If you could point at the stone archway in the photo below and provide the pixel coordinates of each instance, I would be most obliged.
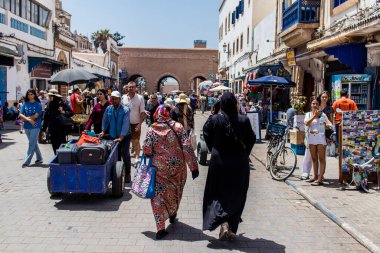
(195, 81)
(140, 81)
(166, 75)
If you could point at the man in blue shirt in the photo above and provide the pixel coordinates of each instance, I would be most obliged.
(116, 119)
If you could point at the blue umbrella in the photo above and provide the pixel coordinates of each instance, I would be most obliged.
(270, 81)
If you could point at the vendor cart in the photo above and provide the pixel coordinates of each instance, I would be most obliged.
(90, 179)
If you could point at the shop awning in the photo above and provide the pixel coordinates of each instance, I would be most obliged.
(35, 61)
(275, 70)
(7, 56)
(352, 55)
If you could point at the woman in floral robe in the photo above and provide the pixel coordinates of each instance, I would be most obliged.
(168, 143)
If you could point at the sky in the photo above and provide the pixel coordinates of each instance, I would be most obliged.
(149, 23)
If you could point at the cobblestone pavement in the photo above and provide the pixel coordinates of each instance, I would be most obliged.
(354, 207)
(276, 218)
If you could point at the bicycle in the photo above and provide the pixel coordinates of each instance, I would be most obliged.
(282, 160)
(360, 172)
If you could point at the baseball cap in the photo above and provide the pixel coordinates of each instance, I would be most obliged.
(115, 94)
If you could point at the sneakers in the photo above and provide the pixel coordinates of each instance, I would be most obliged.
(305, 176)
(24, 165)
(39, 161)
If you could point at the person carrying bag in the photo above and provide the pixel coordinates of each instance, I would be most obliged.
(144, 179)
(170, 151)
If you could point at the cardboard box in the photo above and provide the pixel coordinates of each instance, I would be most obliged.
(297, 137)
(299, 122)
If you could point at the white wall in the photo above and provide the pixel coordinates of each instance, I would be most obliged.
(18, 75)
(240, 27)
(332, 19)
(265, 30)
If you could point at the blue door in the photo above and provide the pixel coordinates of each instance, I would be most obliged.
(3, 84)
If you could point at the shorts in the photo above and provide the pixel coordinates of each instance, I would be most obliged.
(135, 135)
(316, 139)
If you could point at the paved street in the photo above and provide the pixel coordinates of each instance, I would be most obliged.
(276, 217)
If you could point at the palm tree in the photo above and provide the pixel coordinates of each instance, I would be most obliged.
(100, 39)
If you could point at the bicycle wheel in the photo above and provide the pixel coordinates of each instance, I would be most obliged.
(283, 164)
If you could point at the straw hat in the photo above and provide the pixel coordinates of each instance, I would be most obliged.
(54, 92)
(182, 99)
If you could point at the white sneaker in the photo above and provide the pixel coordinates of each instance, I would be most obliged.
(305, 176)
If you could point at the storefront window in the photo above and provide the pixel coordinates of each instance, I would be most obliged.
(12, 6)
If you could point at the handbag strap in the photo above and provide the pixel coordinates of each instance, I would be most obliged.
(231, 130)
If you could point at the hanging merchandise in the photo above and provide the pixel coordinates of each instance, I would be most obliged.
(360, 130)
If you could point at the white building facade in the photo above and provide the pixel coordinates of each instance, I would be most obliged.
(244, 38)
(235, 41)
(27, 51)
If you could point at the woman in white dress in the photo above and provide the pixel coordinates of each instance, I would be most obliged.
(316, 123)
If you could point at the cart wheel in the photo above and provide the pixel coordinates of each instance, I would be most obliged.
(118, 180)
(202, 153)
(48, 181)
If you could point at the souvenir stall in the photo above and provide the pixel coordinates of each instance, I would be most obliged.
(359, 132)
(272, 98)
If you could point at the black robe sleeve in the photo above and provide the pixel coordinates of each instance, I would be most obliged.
(208, 132)
(250, 139)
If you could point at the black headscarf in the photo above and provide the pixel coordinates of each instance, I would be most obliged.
(228, 104)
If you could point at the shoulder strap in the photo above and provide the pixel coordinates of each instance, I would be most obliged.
(231, 130)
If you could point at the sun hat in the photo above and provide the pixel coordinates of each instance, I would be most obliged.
(115, 94)
(182, 99)
(54, 92)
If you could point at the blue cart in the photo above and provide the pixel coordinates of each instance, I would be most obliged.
(90, 179)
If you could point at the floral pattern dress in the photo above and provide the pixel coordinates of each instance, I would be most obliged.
(170, 161)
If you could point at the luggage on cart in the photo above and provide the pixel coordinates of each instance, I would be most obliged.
(92, 153)
(67, 153)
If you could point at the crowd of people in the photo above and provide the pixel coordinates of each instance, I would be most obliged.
(227, 133)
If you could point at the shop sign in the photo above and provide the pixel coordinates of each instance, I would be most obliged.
(290, 56)
(42, 71)
(355, 78)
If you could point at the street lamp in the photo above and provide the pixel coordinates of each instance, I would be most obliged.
(225, 49)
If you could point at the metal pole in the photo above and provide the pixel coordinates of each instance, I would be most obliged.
(271, 103)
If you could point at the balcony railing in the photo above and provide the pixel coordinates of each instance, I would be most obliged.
(301, 12)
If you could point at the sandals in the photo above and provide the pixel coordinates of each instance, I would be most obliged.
(317, 183)
(311, 180)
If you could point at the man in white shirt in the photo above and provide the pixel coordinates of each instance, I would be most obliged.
(136, 104)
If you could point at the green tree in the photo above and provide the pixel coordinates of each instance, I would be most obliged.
(118, 37)
(100, 38)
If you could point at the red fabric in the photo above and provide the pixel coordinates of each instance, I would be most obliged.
(97, 113)
(85, 138)
(73, 101)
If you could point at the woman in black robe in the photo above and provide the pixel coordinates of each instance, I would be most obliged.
(230, 138)
(55, 110)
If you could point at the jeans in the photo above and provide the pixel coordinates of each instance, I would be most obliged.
(32, 135)
(124, 153)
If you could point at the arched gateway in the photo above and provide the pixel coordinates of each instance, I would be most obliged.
(187, 67)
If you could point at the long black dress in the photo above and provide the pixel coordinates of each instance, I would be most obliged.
(57, 131)
(230, 139)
